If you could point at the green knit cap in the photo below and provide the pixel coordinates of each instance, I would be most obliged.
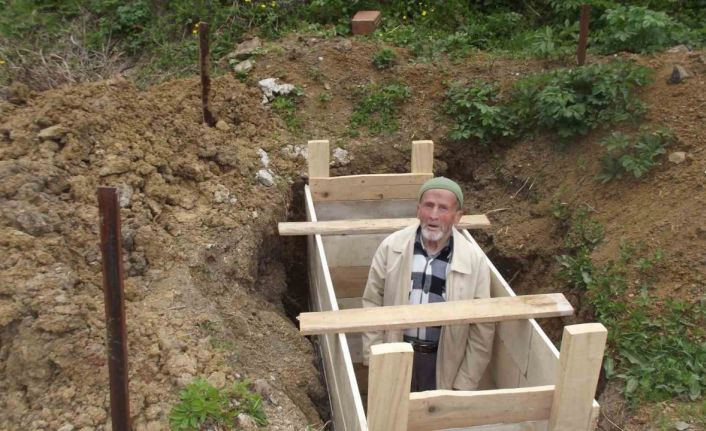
(445, 184)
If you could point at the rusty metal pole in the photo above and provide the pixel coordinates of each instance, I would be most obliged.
(583, 34)
(113, 291)
(208, 117)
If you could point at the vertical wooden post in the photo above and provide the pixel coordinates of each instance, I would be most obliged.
(318, 159)
(208, 117)
(389, 382)
(580, 362)
(422, 157)
(583, 34)
(114, 297)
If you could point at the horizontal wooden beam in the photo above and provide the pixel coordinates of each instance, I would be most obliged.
(368, 226)
(367, 187)
(437, 314)
(442, 409)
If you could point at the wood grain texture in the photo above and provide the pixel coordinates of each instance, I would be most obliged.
(389, 382)
(367, 187)
(437, 314)
(318, 158)
(422, 157)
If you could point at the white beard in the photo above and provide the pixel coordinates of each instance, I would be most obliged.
(432, 235)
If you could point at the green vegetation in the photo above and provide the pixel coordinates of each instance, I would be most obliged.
(384, 58)
(377, 107)
(639, 29)
(286, 107)
(565, 102)
(202, 404)
(637, 158)
(655, 346)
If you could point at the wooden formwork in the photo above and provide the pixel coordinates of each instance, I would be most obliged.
(526, 385)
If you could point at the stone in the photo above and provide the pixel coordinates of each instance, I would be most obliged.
(53, 133)
(677, 157)
(340, 157)
(114, 165)
(217, 379)
(365, 22)
(265, 177)
(245, 422)
(679, 74)
(243, 67)
(345, 45)
(17, 93)
(262, 387)
(33, 222)
(125, 192)
(264, 158)
(221, 194)
(295, 151)
(222, 126)
(678, 48)
(67, 427)
(246, 48)
(271, 88)
(681, 426)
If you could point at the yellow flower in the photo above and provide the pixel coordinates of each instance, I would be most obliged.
(247, 1)
(424, 13)
(263, 6)
(2, 61)
(273, 3)
(404, 17)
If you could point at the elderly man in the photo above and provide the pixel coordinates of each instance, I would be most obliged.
(431, 261)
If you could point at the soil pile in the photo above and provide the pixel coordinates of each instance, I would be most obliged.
(204, 278)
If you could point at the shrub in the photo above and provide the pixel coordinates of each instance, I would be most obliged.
(377, 107)
(572, 102)
(476, 112)
(201, 403)
(637, 158)
(638, 29)
(384, 59)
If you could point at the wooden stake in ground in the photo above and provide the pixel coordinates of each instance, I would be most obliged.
(208, 117)
(114, 296)
(583, 35)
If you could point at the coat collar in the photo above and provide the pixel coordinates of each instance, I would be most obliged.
(461, 260)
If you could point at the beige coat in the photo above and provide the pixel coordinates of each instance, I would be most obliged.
(464, 350)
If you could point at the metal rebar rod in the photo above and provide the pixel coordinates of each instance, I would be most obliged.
(583, 34)
(113, 290)
(208, 117)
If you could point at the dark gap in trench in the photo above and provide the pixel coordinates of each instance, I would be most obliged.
(295, 298)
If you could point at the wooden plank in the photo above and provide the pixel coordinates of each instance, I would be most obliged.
(340, 210)
(349, 281)
(369, 226)
(346, 404)
(441, 409)
(318, 159)
(367, 187)
(445, 313)
(389, 382)
(422, 157)
(581, 357)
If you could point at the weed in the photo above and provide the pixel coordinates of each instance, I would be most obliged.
(384, 58)
(286, 107)
(201, 403)
(377, 107)
(637, 158)
(638, 29)
(477, 113)
(324, 98)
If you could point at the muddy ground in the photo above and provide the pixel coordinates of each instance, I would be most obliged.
(210, 286)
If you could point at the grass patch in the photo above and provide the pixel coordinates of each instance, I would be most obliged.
(384, 58)
(286, 108)
(377, 107)
(203, 406)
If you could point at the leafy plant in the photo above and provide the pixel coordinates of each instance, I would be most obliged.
(477, 113)
(638, 29)
(384, 59)
(637, 158)
(286, 107)
(201, 403)
(377, 107)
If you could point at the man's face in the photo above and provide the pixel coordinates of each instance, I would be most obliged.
(437, 212)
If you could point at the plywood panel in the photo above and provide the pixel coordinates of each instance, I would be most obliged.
(349, 281)
(442, 409)
(342, 210)
(358, 250)
(346, 404)
(367, 187)
(506, 373)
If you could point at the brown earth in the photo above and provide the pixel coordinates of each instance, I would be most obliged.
(207, 277)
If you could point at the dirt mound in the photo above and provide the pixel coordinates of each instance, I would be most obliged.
(198, 234)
